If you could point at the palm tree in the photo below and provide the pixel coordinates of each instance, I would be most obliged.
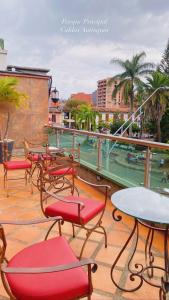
(10, 99)
(158, 103)
(87, 117)
(164, 64)
(130, 78)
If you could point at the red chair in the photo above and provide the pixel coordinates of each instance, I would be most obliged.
(60, 174)
(16, 165)
(34, 152)
(52, 160)
(78, 210)
(46, 270)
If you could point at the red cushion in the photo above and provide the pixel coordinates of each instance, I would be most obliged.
(64, 285)
(18, 164)
(36, 157)
(69, 211)
(47, 157)
(64, 171)
(33, 157)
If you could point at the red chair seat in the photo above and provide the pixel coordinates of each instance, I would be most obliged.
(35, 157)
(18, 164)
(64, 171)
(69, 211)
(66, 285)
(47, 157)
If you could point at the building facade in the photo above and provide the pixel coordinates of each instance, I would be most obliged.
(82, 97)
(104, 95)
(108, 107)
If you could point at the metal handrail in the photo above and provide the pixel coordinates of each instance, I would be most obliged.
(145, 143)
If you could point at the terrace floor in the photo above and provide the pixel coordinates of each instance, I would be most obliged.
(22, 205)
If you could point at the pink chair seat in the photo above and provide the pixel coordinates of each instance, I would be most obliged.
(66, 285)
(64, 171)
(35, 157)
(18, 164)
(69, 211)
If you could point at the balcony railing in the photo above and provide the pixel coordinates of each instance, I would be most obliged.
(132, 162)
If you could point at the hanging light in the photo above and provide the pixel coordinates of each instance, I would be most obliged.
(55, 95)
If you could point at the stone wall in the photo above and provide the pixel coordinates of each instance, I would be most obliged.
(29, 122)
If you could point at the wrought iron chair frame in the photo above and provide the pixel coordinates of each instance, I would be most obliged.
(14, 270)
(80, 205)
(27, 176)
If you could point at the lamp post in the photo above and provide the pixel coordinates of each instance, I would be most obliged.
(55, 95)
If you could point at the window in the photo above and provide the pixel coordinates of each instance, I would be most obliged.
(53, 118)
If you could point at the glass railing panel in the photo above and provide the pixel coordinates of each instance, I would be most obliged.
(124, 163)
(52, 138)
(66, 139)
(159, 173)
(88, 150)
(61, 139)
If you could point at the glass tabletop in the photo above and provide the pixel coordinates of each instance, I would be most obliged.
(42, 150)
(142, 203)
(37, 150)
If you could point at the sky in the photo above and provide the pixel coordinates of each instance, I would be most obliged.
(76, 39)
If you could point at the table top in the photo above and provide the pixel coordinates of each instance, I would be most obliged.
(42, 150)
(142, 203)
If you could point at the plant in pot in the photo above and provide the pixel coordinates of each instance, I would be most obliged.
(10, 99)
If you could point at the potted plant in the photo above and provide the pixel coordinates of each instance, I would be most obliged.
(10, 99)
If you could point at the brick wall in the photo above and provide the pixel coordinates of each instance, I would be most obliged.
(28, 122)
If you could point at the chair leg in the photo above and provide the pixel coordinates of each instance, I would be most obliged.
(73, 228)
(6, 182)
(26, 177)
(88, 234)
(5, 175)
(29, 175)
(105, 235)
(48, 232)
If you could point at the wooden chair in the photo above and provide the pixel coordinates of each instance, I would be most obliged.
(78, 210)
(46, 270)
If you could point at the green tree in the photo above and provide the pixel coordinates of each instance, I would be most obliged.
(130, 78)
(165, 127)
(86, 117)
(73, 105)
(10, 98)
(117, 124)
(158, 103)
(164, 64)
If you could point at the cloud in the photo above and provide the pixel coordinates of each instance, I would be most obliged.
(76, 39)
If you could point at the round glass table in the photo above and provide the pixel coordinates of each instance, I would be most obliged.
(151, 210)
